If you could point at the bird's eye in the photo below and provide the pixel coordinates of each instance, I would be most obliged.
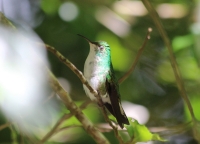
(101, 47)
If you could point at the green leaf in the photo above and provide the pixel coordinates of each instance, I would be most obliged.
(140, 133)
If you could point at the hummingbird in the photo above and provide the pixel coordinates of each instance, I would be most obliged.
(98, 71)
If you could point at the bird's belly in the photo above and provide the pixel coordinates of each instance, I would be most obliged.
(97, 83)
(96, 77)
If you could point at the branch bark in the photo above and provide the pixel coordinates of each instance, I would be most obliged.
(84, 81)
(60, 121)
(5, 126)
(87, 125)
(78, 73)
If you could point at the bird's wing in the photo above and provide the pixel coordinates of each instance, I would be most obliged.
(113, 92)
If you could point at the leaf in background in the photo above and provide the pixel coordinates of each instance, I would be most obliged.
(50, 7)
(165, 72)
(189, 67)
(194, 100)
(140, 133)
(181, 42)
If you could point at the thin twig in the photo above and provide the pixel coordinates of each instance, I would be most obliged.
(174, 65)
(84, 81)
(21, 134)
(172, 130)
(21, 137)
(30, 139)
(5, 126)
(60, 121)
(99, 127)
(113, 127)
(85, 104)
(80, 126)
(104, 127)
(26, 135)
(6, 22)
(13, 134)
(51, 132)
(79, 74)
(87, 124)
(67, 127)
(126, 75)
(50, 97)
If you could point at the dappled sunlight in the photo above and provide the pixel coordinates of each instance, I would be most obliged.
(135, 111)
(68, 11)
(133, 8)
(112, 21)
(22, 12)
(172, 10)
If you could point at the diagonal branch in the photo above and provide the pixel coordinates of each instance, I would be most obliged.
(87, 125)
(60, 121)
(75, 70)
(126, 75)
(5, 126)
(6, 22)
(111, 124)
(52, 131)
(84, 81)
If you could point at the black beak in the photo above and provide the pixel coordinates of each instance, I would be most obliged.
(95, 43)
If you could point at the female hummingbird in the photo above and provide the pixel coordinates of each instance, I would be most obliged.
(98, 71)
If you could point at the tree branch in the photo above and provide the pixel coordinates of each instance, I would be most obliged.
(5, 126)
(126, 75)
(87, 125)
(174, 65)
(6, 22)
(84, 81)
(113, 127)
(60, 121)
(67, 127)
(52, 131)
(75, 70)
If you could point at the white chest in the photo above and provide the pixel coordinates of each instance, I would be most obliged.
(96, 76)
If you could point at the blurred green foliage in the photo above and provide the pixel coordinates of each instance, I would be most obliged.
(50, 7)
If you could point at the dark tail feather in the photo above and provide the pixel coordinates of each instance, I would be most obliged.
(115, 107)
(109, 107)
(121, 118)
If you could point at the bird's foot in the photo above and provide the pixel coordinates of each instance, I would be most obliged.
(100, 104)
